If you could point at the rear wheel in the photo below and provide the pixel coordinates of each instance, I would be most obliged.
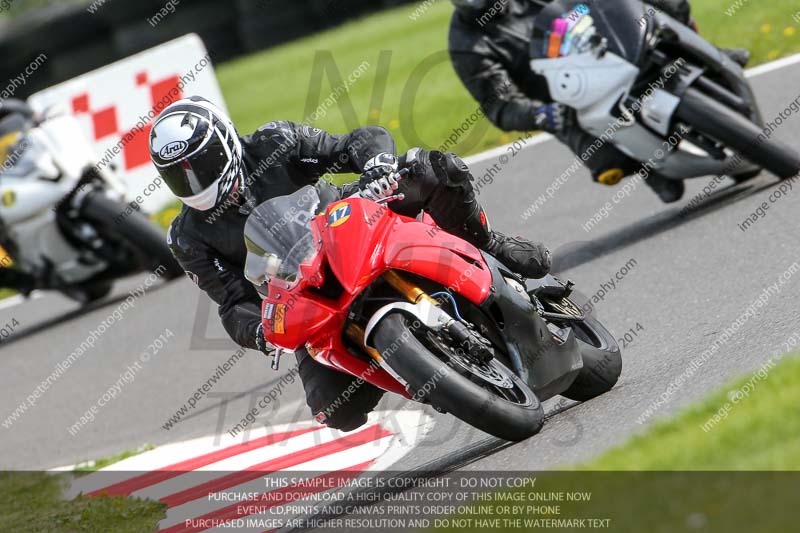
(487, 396)
(727, 126)
(602, 361)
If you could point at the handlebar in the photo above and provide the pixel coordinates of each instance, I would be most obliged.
(401, 174)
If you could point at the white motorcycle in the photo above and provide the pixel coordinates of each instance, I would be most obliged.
(63, 212)
(656, 90)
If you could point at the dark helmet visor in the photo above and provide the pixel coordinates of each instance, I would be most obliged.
(194, 175)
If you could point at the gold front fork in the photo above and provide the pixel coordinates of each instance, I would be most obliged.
(406, 288)
(413, 293)
(356, 334)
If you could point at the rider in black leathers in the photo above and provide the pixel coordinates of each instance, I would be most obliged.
(278, 159)
(489, 48)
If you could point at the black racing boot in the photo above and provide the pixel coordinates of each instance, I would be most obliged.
(668, 190)
(526, 258)
(740, 56)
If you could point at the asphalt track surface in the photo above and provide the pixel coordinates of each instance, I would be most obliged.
(693, 277)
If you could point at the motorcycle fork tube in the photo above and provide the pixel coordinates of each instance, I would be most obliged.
(356, 334)
(412, 293)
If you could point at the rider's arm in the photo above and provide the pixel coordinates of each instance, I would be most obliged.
(239, 304)
(312, 152)
(488, 81)
(318, 152)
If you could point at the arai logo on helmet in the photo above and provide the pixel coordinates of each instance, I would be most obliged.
(173, 150)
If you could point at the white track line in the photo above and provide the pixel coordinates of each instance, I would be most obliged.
(329, 463)
(772, 65)
(396, 433)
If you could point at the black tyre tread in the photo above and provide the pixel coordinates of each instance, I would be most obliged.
(138, 230)
(601, 366)
(737, 132)
(454, 393)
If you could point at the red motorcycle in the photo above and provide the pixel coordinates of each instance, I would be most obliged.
(416, 311)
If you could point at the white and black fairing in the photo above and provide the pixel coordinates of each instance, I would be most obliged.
(628, 86)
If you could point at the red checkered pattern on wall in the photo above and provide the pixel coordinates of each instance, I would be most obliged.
(105, 121)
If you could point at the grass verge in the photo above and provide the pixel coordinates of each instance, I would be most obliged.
(760, 431)
(33, 502)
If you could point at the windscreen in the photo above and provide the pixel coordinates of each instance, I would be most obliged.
(279, 238)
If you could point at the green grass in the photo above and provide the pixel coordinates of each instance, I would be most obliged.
(32, 502)
(274, 84)
(93, 466)
(767, 29)
(761, 432)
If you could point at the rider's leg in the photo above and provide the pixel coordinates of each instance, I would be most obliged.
(608, 165)
(19, 281)
(338, 400)
(441, 184)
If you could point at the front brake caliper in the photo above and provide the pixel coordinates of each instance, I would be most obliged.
(475, 347)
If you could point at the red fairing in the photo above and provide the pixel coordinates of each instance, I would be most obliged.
(434, 254)
(354, 236)
(291, 318)
(360, 240)
(332, 352)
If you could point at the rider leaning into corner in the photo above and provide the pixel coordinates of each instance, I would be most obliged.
(489, 41)
(221, 177)
(15, 115)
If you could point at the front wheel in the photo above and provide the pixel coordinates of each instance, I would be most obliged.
(725, 125)
(487, 396)
(135, 232)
